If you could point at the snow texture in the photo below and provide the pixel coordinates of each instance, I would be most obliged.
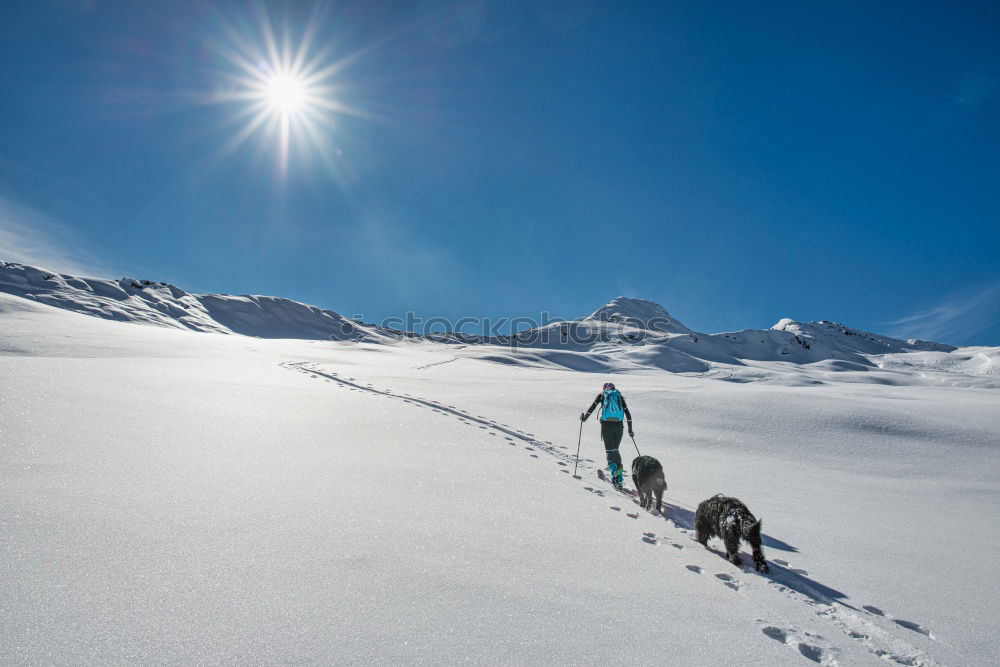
(173, 496)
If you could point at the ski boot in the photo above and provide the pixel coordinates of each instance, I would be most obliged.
(617, 475)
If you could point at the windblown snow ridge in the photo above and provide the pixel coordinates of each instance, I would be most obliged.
(163, 304)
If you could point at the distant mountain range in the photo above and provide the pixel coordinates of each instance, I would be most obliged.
(633, 332)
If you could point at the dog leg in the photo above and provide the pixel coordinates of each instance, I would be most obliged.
(732, 547)
(701, 530)
(759, 562)
(700, 526)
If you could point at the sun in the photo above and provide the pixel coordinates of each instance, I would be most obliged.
(284, 89)
(285, 93)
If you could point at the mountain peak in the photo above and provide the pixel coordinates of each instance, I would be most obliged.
(638, 313)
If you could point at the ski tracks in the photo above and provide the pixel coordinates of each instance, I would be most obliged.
(858, 625)
(511, 435)
(437, 363)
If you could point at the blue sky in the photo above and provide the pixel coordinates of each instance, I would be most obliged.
(736, 162)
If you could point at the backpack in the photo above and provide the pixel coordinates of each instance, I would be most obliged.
(611, 406)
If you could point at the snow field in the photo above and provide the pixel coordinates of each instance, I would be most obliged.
(185, 497)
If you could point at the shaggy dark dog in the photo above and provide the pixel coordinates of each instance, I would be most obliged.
(647, 475)
(730, 519)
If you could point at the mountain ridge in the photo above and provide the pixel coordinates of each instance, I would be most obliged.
(634, 332)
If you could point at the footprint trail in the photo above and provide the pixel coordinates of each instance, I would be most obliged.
(856, 624)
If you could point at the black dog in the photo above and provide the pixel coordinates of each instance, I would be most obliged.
(647, 475)
(730, 519)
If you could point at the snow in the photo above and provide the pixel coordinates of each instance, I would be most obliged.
(623, 334)
(159, 303)
(170, 495)
(638, 313)
(836, 334)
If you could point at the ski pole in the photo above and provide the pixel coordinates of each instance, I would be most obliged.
(578, 439)
(636, 446)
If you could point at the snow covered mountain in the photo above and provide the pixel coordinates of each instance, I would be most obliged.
(637, 313)
(839, 335)
(624, 334)
(643, 333)
(162, 304)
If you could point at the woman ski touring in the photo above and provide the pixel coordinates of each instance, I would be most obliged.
(613, 410)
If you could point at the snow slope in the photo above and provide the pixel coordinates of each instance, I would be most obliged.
(180, 497)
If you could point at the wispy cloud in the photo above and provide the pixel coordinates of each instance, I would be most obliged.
(29, 236)
(976, 88)
(973, 90)
(956, 319)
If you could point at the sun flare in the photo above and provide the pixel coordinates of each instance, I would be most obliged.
(285, 93)
(283, 88)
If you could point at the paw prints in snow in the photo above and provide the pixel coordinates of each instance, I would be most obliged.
(807, 648)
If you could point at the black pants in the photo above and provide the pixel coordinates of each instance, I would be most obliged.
(611, 434)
